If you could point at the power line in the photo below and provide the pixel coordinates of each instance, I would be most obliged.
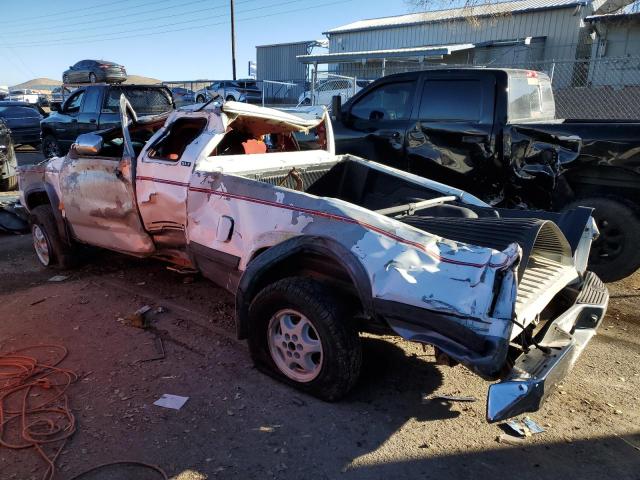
(132, 22)
(102, 37)
(76, 17)
(49, 15)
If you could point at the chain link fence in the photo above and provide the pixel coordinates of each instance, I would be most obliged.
(601, 88)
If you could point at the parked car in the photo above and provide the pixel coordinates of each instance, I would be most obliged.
(325, 91)
(317, 247)
(8, 160)
(59, 95)
(232, 91)
(23, 95)
(95, 107)
(92, 71)
(183, 96)
(493, 132)
(23, 119)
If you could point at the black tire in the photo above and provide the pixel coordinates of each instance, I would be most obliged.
(306, 101)
(615, 254)
(341, 349)
(50, 146)
(65, 78)
(200, 99)
(92, 77)
(230, 98)
(9, 183)
(60, 254)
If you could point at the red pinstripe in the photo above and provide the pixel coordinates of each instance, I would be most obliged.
(319, 213)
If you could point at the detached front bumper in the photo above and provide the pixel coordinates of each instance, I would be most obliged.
(537, 372)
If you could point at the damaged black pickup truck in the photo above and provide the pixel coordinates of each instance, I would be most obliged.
(493, 132)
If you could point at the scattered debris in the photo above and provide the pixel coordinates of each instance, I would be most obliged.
(140, 319)
(58, 278)
(168, 400)
(449, 398)
(38, 301)
(159, 348)
(298, 401)
(13, 218)
(509, 440)
(525, 428)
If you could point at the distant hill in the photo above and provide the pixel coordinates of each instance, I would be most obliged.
(38, 84)
(50, 83)
(140, 80)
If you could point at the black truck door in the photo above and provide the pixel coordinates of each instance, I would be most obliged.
(88, 117)
(373, 125)
(452, 140)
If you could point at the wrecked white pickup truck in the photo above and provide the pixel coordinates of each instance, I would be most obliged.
(318, 247)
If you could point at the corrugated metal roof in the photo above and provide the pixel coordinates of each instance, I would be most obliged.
(516, 6)
(430, 51)
(632, 9)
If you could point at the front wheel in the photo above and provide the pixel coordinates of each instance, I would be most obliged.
(50, 249)
(50, 147)
(615, 253)
(200, 99)
(299, 334)
(230, 98)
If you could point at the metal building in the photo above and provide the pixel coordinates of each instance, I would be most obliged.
(278, 61)
(512, 32)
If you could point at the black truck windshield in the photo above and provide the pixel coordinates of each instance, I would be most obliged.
(530, 97)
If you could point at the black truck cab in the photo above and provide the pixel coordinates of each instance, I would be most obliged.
(97, 107)
(493, 132)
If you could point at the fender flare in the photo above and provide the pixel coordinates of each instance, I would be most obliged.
(54, 201)
(248, 286)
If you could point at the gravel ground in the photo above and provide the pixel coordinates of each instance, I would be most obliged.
(241, 424)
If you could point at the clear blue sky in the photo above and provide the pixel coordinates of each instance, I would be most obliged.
(41, 38)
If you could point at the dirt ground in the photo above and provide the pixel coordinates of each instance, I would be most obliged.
(241, 424)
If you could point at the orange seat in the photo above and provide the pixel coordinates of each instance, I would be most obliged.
(254, 146)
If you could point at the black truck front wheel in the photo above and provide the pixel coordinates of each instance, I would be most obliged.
(615, 254)
(51, 147)
(299, 334)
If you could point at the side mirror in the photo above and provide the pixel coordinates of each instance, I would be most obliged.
(88, 144)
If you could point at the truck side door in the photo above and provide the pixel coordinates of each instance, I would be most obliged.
(452, 140)
(162, 181)
(374, 124)
(98, 194)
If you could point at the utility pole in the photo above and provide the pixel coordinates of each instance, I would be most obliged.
(233, 43)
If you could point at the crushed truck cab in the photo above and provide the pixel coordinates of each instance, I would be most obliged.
(317, 247)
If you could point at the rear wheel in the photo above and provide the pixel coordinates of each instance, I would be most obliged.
(299, 334)
(230, 98)
(50, 249)
(200, 99)
(92, 77)
(615, 254)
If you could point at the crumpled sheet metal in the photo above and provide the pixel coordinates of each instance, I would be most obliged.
(404, 264)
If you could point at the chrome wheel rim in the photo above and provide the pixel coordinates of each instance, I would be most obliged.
(295, 345)
(41, 245)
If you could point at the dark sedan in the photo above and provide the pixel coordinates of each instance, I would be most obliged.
(92, 71)
(23, 119)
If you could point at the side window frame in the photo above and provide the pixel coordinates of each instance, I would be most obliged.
(75, 94)
(412, 82)
(488, 108)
